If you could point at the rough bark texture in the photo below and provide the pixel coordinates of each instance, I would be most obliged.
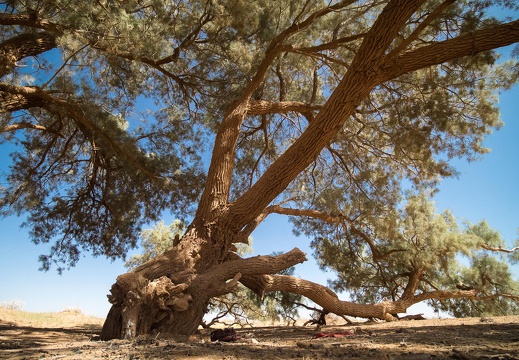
(22, 46)
(141, 305)
(329, 301)
(14, 50)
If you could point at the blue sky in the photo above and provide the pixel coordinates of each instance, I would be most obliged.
(484, 190)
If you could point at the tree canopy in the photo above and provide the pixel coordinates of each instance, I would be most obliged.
(226, 111)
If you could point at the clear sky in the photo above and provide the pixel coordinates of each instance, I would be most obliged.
(487, 189)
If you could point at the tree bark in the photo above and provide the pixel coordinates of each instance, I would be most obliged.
(370, 68)
(458, 47)
(324, 297)
(143, 302)
(22, 46)
(330, 302)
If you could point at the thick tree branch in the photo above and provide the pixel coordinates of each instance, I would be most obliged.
(32, 20)
(355, 87)
(460, 46)
(330, 302)
(324, 297)
(216, 191)
(412, 284)
(360, 79)
(22, 46)
(26, 44)
(264, 107)
(214, 279)
(10, 102)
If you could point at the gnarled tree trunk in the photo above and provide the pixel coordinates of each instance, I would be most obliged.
(167, 295)
(171, 293)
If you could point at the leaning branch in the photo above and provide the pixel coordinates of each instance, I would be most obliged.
(349, 94)
(322, 296)
(330, 302)
(353, 89)
(500, 249)
(218, 182)
(460, 46)
(215, 279)
(264, 107)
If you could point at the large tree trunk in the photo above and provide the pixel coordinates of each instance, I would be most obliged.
(171, 293)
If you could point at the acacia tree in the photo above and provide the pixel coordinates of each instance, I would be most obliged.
(315, 109)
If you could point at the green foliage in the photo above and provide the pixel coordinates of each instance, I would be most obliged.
(156, 241)
(489, 273)
(376, 261)
(135, 90)
(91, 194)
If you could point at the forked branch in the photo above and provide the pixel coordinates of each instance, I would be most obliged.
(216, 191)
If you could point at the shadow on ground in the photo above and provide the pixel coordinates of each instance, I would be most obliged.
(474, 338)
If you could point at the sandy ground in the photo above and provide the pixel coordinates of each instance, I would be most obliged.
(470, 338)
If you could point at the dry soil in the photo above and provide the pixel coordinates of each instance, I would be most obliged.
(468, 338)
